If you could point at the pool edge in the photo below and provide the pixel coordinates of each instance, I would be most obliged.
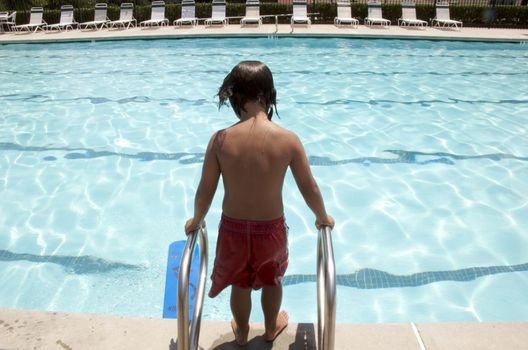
(29, 329)
(270, 31)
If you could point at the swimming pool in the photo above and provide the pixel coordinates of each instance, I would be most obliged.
(420, 149)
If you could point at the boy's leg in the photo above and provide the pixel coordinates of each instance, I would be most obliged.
(241, 309)
(275, 322)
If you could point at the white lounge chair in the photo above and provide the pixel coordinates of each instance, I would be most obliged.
(300, 13)
(252, 13)
(66, 20)
(375, 16)
(101, 19)
(344, 14)
(157, 16)
(35, 21)
(126, 17)
(3, 20)
(218, 14)
(7, 20)
(187, 14)
(443, 19)
(408, 17)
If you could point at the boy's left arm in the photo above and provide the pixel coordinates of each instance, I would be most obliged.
(206, 188)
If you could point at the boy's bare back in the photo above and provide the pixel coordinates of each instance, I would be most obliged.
(253, 156)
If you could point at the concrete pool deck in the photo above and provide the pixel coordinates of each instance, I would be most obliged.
(24, 329)
(267, 30)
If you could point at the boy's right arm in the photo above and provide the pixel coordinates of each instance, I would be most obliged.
(307, 185)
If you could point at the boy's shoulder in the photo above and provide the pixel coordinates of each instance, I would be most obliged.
(292, 136)
(282, 129)
(278, 133)
(284, 136)
(275, 127)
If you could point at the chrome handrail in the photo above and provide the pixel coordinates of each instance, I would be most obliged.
(326, 290)
(189, 340)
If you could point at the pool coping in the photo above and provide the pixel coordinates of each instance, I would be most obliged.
(28, 329)
(272, 31)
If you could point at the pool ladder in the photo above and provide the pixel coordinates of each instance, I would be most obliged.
(188, 339)
(326, 291)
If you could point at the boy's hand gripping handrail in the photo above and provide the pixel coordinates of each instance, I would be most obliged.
(326, 290)
(189, 340)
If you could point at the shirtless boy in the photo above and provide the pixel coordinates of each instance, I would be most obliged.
(252, 156)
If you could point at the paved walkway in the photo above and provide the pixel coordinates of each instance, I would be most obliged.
(22, 329)
(320, 30)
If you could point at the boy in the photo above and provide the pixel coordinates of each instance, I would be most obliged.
(253, 156)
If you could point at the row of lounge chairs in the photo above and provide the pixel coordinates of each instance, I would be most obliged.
(218, 17)
(375, 17)
(408, 18)
(126, 17)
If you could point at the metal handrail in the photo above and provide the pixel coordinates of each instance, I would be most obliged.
(189, 340)
(326, 290)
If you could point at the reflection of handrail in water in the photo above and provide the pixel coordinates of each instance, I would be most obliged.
(403, 157)
(188, 340)
(326, 290)
(374, 279)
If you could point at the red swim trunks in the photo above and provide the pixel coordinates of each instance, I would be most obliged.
(250, 254)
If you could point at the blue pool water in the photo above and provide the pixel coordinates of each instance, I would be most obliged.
(420, 149)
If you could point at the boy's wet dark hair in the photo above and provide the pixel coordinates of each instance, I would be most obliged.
(249, 81)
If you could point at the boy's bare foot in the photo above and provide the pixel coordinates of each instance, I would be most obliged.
(241, 337)
(282, 323)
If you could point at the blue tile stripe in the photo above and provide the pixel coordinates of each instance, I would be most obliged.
(401, 156)
(375, 279)
(84, 264)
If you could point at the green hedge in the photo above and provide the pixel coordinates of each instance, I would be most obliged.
(504, 16)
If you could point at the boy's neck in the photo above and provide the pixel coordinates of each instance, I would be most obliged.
(253, 110)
